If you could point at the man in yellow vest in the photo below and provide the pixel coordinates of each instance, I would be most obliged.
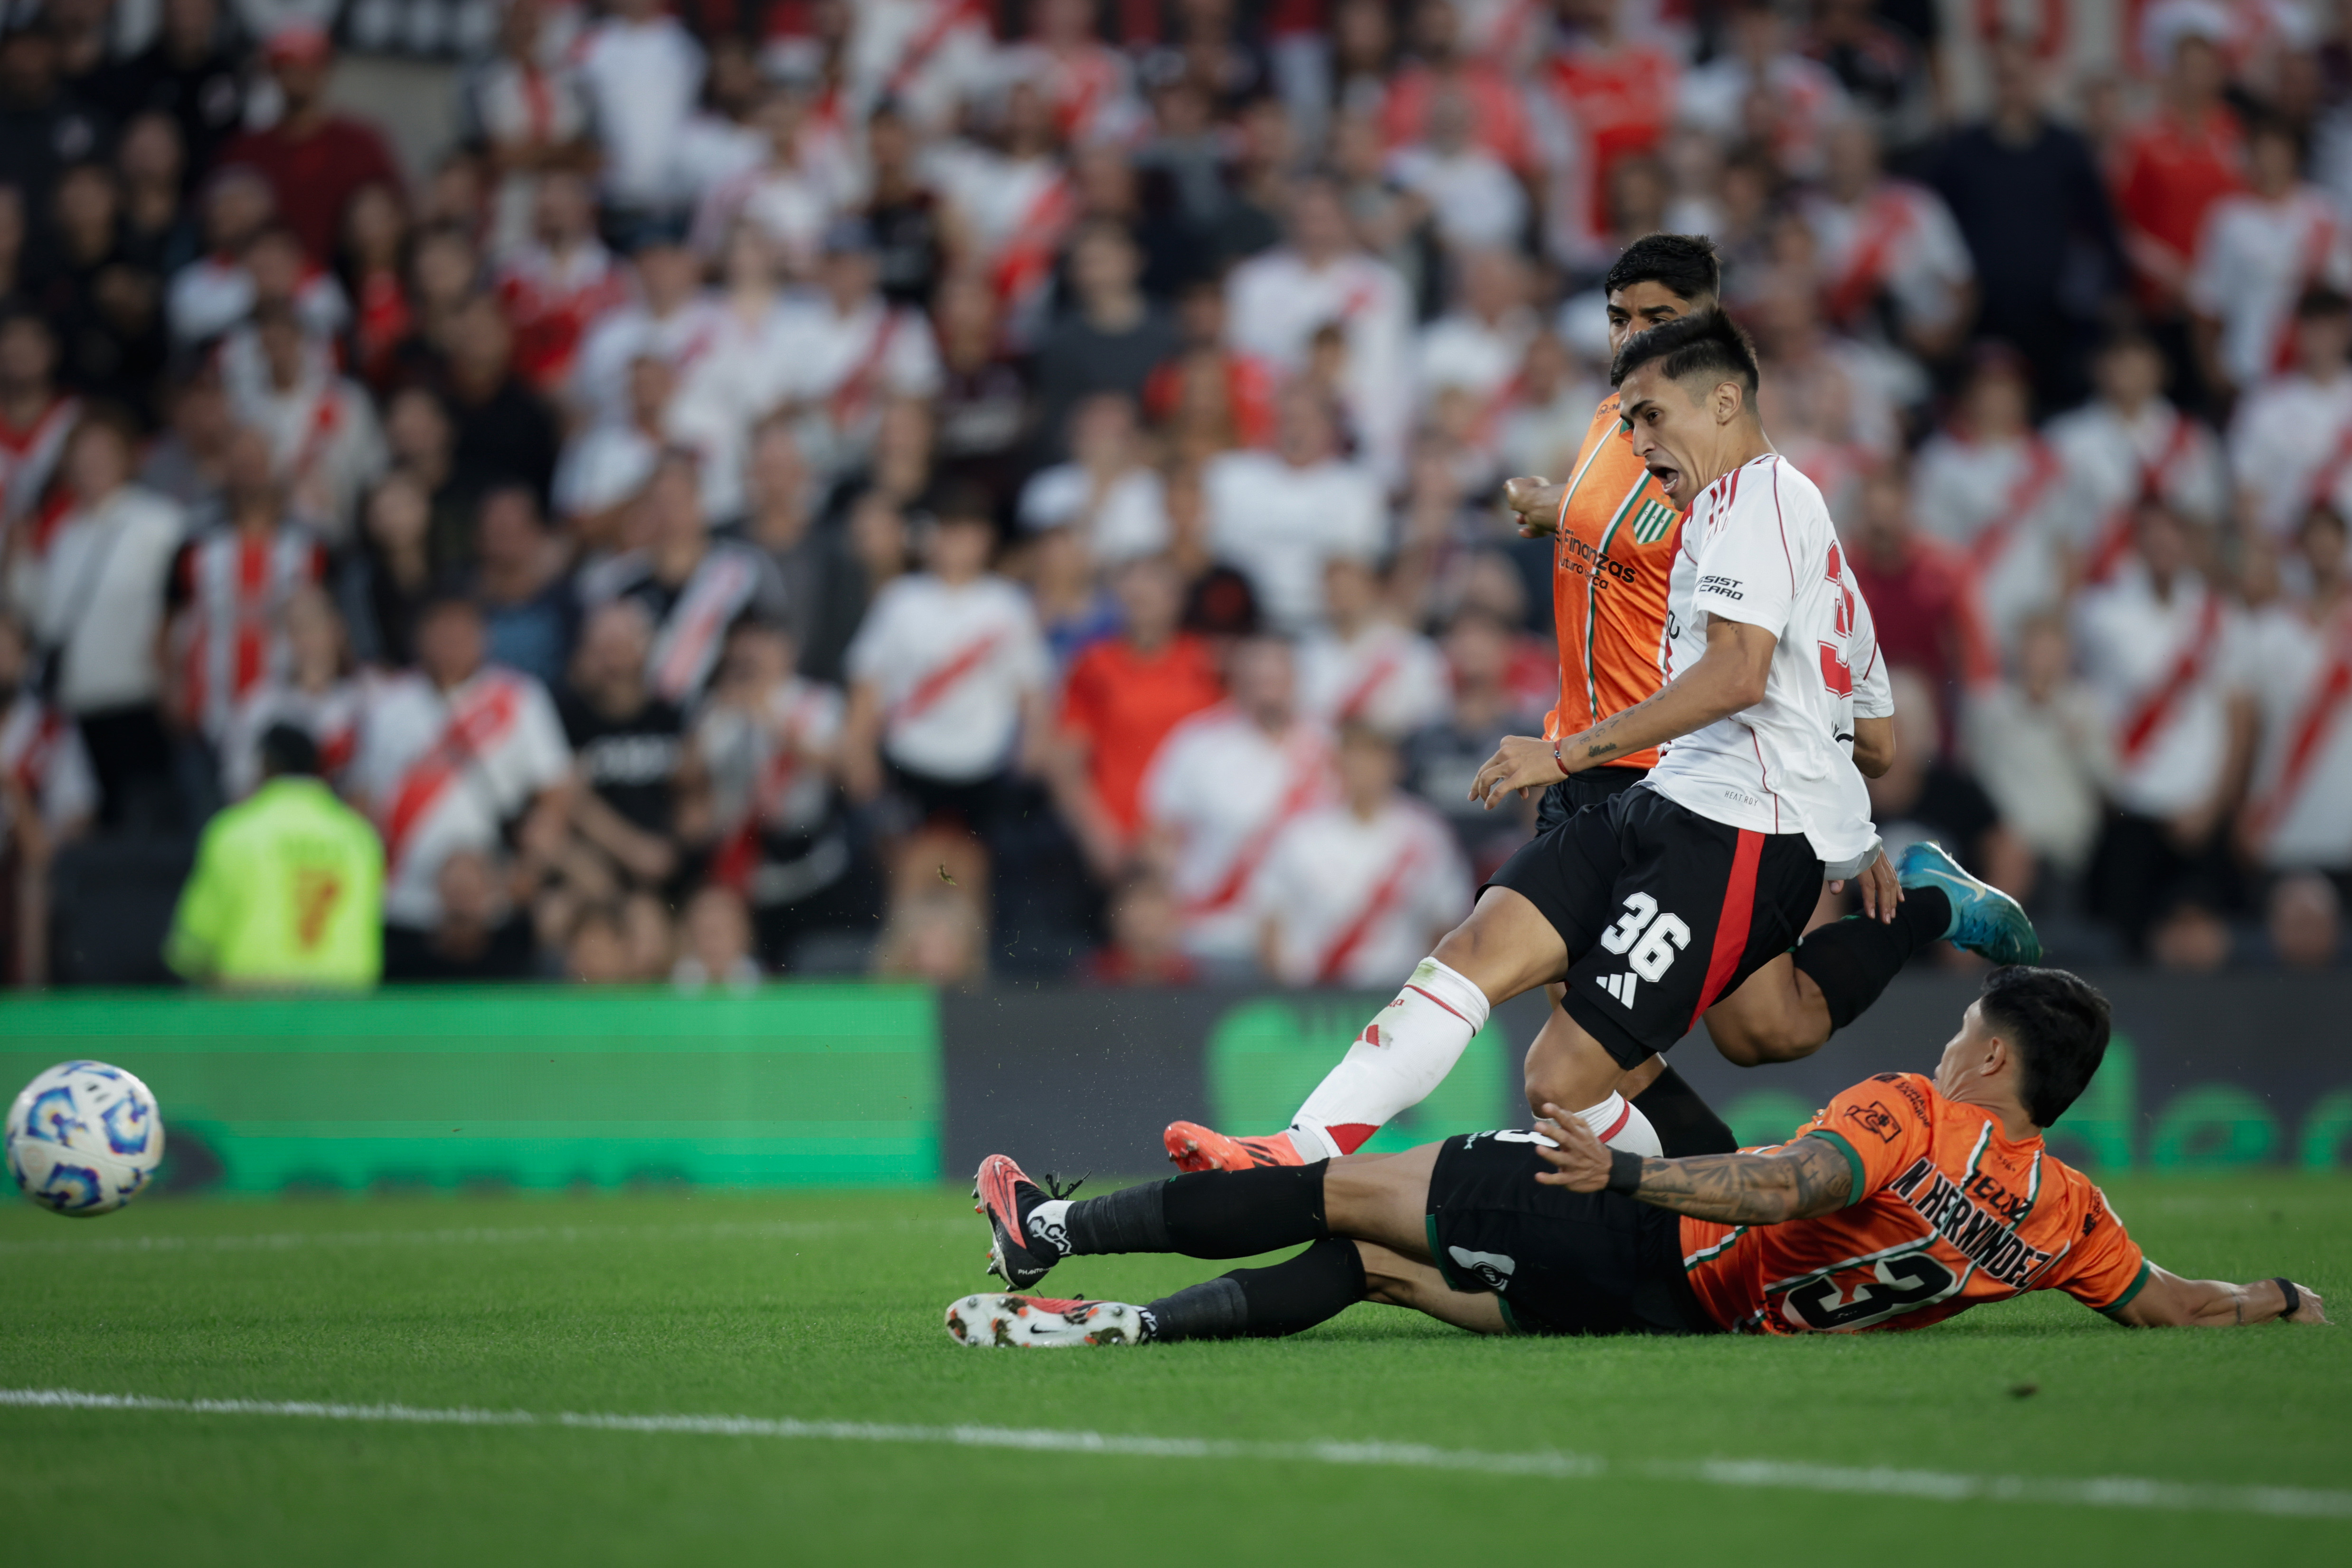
(287, 890)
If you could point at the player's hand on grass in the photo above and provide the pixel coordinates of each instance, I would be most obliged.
(1580, 1162)
(1520, 763)
(1536, 502)
(1880, 890)
(2310, 1309)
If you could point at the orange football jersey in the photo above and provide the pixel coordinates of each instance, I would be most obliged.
(1946, 1214)
(1612, 555)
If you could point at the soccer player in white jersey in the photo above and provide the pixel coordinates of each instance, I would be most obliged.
(1652, 906)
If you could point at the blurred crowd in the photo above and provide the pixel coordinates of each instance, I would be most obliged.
(952, 487)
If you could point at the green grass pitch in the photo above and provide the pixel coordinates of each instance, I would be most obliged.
(827, 1308)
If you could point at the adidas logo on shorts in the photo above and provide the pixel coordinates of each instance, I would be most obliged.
(1621, 986)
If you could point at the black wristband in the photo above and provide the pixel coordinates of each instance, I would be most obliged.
(2294, 1297)
(1625, 1171)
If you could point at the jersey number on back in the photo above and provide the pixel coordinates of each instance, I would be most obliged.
(1837, 673)
(315, 892)
(1885, 1289)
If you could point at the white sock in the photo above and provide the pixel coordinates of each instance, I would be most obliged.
(1404, 1053)
(1619, 1123)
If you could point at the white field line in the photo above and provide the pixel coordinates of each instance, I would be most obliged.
(511, 1235)
(2107, 1491)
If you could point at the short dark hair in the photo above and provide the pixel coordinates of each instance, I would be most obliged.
(1704, 343)
(289, 752)
(1685, 265)
(2057, 1022)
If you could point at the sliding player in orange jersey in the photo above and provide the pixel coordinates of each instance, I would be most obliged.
(1906, 1200)
(1616, 536)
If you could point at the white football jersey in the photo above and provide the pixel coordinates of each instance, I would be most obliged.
(1356, 902)
(1759, 548)
(951, 666)
(1223, 790)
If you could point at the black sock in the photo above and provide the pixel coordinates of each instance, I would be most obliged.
(1851, 960)
(1685, 1123)
(1211, 1214)
(1263, 1303)
(1130, 1220)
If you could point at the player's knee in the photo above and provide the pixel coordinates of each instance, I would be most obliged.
(1747, 1041)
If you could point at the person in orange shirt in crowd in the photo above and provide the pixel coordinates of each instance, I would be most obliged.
(1121, 698)
(1906, 1200)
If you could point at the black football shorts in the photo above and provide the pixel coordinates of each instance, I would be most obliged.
(1593, 787)
(1664, 913)
(1560, 1262)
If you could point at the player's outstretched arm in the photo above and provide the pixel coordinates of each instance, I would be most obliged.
(1727, 679)
(2169, 1301)
(1802, 1179)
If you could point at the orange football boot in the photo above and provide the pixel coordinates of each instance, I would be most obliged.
(1193, 1147)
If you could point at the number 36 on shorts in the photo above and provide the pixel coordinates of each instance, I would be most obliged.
(1654, 938)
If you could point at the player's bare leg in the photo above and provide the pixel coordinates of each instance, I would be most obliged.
(1395, 1280)
(1778, 1014)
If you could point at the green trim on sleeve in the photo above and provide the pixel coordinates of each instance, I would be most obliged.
(1860, 1188)
(2138, 1279)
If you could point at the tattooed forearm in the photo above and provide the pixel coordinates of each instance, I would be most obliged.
(1807, 1177)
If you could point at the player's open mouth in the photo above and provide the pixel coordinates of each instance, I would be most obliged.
(1666, 477)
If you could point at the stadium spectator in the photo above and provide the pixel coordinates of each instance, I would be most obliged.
(36, 418)
(2027, 195)
(947, 676)
(1991, 488)
(769, 741)
(1146, 938)
(852, 356)
(2303, 920)
(1891, 258)
(627, 748)
(691, 586)
(639, 71)
(478, 936)
(2291, 438)
(451, 755)
(1220, 789)
(505, 433)
(314, 158)
(1108, 496)
(48, 796)
(1112, 338)
(2164, 654)
(288, 889)
(2258, 250)
(2299, 812)
(1922, 796)
(2125, 444)
(1919, 591)
(324, 446)
(1120, 699)
(95, 600)
(1280, 515)
(715, 939)
(558, 279)
(1360, 666)
(1442, 758)
(2172, 166)
(2039, 747)
(521, 579)
(228, 590)
(192, 72)
(1276, 303)
(317, 692)
(1352, 889)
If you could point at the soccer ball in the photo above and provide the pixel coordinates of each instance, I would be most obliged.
(84, 1138)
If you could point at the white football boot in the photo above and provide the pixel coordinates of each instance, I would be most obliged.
(1041, 1322)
